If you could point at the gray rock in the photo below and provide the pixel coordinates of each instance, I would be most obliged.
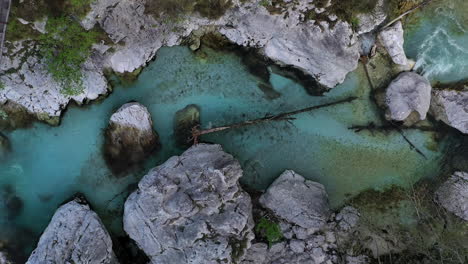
(451, 107)
(361, 259)
(408, 93)
(347, 218)
(297, 200)
(74, 235)
(4, 258)
(130, 137)
(453, 195)
(191, 209)
(392, 39)
(369, 21)
(257, 254)
(297, 246)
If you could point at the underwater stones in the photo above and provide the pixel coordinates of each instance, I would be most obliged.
(392, 39)
(453, 195)
(191, 209)
(4, 258)
(11, 201)
(184, 121)
(450, 106)
(408, 93)
(5, 146)
(297, 200)
(130, 137)
(74, 235)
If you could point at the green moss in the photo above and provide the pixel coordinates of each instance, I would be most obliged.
(65, 47)
(174, 9)
(268, 230)
(2, 85)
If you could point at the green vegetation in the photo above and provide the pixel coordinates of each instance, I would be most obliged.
(65, 47)
(264, 3)
(175, 8)
(268, 230)
(2, 85)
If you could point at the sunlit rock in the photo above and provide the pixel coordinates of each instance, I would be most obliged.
(191, 209)
(450, 106)
(368, 21)
(130, 137)
(74, 235)
(297, 200)
(408, 93)
(392, 39)
(453, 195)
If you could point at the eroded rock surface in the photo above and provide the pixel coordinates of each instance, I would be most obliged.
(451, 107)
(130, 137)
(392, 39)
(191, 209)
(74, 235)
(408, 93)
(297, 200)
(453, 195)
(369, 21)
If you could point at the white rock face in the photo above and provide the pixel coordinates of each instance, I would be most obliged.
(392, 39)
(453, 195)
(369, 21)
(28, 83)
(133, 115)
(325, 52)
(407, 93)
(4, 258)
(297, 200)
(74, 235)
(451, 107)
(191, 209)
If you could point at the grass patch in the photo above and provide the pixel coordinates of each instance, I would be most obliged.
(65, 47)
(268, 230)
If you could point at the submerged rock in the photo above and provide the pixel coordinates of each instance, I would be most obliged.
(453, 195)
(191, 209)
(74, 235)
(408, 93)
(184, 121)
(450, 106)
(297, 200)
(4, 258)
(392, 39)
(5, 146)
(130, 137)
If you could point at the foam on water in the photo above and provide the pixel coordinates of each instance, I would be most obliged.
(437, 39)
(49, 164)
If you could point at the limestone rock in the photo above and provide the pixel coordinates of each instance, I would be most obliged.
(453, 195)
(191, 209)
(392, 39)
(450, 106)
(369, 21)
(297, 200)
(184, 121)
(74, 235)
(130, 137)
(4, 258)
(409, 92)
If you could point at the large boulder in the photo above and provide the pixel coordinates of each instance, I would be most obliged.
(451, 107)
(408, 93)
(130, 137)
(453, 195)
(74, 235)
(191, 209)
(297, 200)
(392, 39)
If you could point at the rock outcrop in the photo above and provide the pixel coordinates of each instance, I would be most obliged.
(184, 121)
(130, 137)
(369, 21)
(453, 195)
(297, 200)
(408, 93)
(310, 233)
(450, 106)
(74, 235)
(191, 209)
(392, 39)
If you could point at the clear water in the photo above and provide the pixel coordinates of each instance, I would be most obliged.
(49, 164)
(437, 38)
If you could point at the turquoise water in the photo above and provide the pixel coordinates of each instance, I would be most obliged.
(437, 38)
(49, 164)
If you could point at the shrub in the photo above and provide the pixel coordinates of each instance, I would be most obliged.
(65, 47)
(269, 230)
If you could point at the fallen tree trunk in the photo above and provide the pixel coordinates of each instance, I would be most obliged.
(196, 132)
